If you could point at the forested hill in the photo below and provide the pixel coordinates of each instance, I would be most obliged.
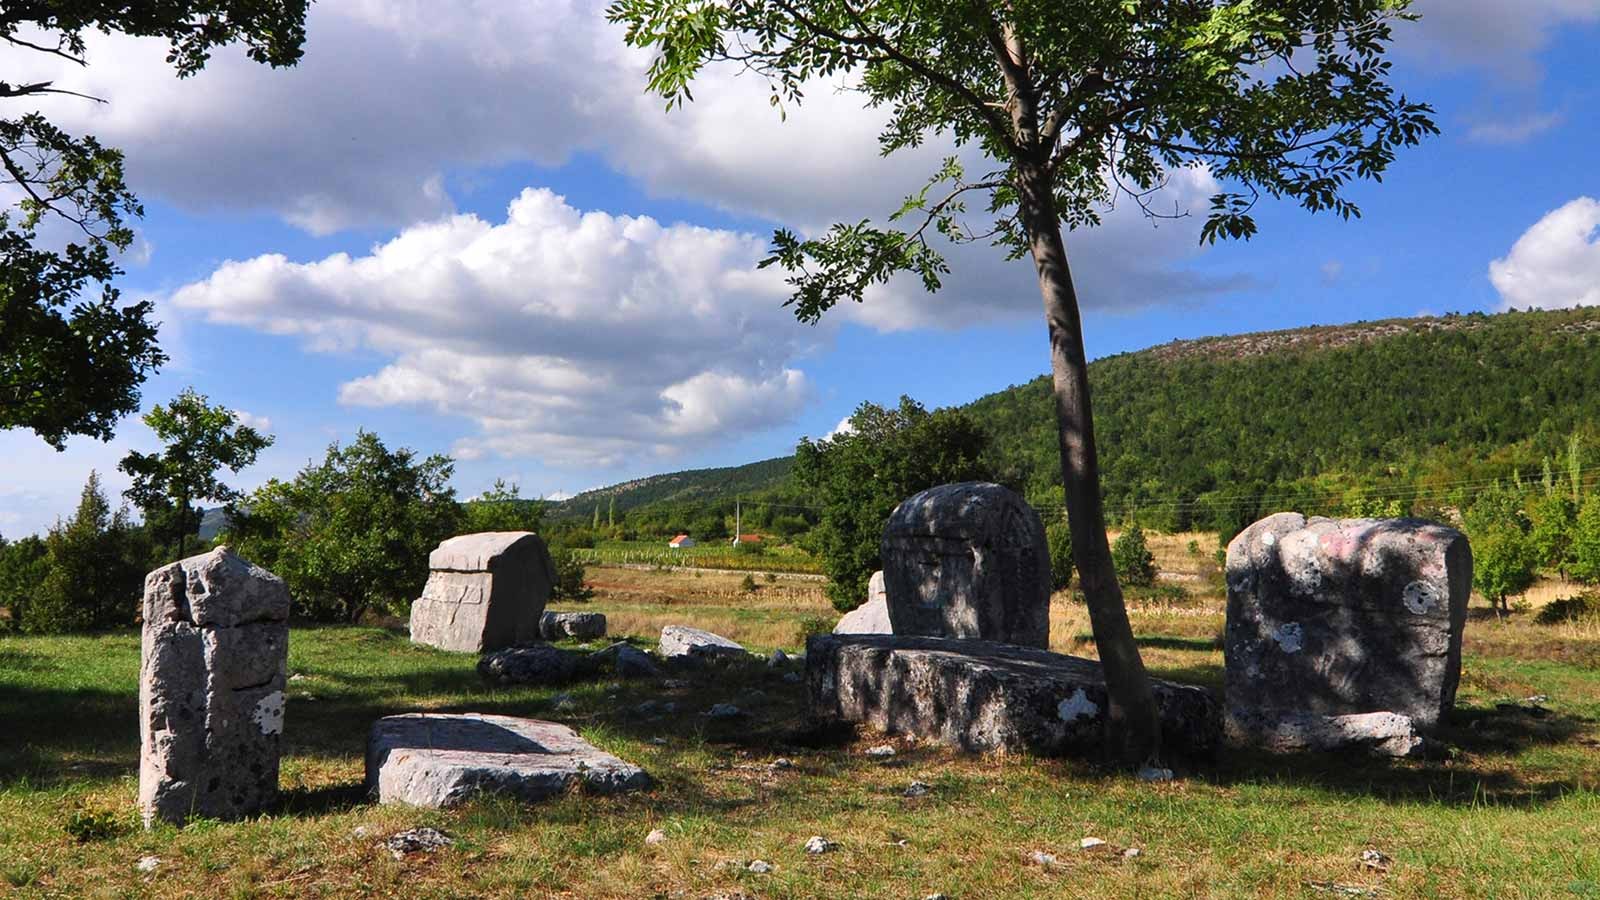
(694, 485)
(1211, 431)
(1401, 413)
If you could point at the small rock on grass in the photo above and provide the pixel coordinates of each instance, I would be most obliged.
(1375, 860)
(760, 866)
(782, 762)
(1089, 843)
(1132, 853)
(724, 711)
(416, 840)
(656, 836)
(1041, 858)
(918, 789)
(147, 863)
(818, 845)
(1154, 774)
(882, 751)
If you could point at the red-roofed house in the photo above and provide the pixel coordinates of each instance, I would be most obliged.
(681, 542)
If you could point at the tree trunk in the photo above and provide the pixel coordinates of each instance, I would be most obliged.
(1135, 725)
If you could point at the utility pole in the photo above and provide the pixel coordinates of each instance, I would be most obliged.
(737, 528)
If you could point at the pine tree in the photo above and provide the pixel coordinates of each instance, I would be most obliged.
(95, 565)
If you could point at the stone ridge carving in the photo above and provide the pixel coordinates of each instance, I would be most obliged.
(968, 560)
(485, 592)
(213, 661)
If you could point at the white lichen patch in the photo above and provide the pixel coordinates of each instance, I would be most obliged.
(1419, 597)
(268, 715)
(1269, 539)
(1076, 707)
(1290, 637)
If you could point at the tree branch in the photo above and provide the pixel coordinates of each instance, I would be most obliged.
(40, 87)
(53, 51)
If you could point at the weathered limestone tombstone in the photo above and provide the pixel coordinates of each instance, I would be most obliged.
(213, 664)
(680, 642)
(443, 760)
(984, 696)
(553, 626)
(871, 617)
(485, 592)
(968, 561)
(1332, 622)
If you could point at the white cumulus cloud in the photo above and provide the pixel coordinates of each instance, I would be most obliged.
(1556, 263)
(567, 336)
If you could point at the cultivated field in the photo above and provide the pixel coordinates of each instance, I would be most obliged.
(1516, 812)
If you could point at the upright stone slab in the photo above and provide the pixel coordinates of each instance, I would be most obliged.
(1334, 618)
(871, 617)
(968, 561)
(212, 667)
(485, 592)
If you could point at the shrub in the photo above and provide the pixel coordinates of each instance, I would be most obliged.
(1058, 536)
(811, 626)
(570, 572)
(1134, 562)
(1570, 609)
(748, 585)
(86, 825)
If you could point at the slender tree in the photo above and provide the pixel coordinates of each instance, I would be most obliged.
(200, 440)
(71, 363)
(1070, 104)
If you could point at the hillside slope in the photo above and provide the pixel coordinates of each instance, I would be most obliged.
(1209, 432)
(693, 485)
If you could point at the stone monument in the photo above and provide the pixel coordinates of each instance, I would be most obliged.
(1331, 621)
(968, 561)
(212, 668)
(485, 592)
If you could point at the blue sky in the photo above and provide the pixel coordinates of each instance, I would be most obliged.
(465, 228)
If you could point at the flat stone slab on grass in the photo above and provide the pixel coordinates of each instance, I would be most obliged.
(443, 760)
(986, 696)
(682, 642)
(533, 664)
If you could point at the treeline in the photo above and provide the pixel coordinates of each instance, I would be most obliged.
(350, 534)
(1519, 529)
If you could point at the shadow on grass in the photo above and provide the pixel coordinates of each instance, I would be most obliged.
(1468, 780)
(1162, 642)
(59, 735)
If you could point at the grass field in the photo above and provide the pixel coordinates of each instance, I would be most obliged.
(772, 557)
(1515, 813)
